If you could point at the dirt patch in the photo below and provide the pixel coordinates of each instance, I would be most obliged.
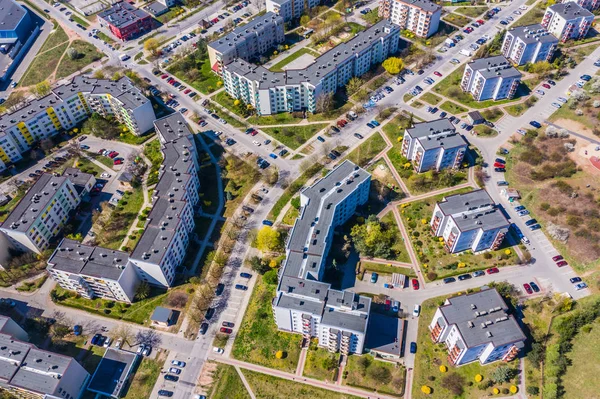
(575, 126)
(206, 375)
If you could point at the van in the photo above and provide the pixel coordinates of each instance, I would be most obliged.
(465, 52)
(124, 57)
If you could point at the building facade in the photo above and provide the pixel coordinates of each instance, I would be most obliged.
(434, 145)
(477, 326)
(247, 42)
(589, 5)
(296, 90)
(528, 44)
(492, 78)
(303, 303)
(422, 17)
(67, 106)
(470, 221)
(567, 21)
(290, 9)
(125, 21)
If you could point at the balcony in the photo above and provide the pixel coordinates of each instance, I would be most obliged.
(511, 354)
(436, 332)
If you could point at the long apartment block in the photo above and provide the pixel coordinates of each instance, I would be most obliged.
(68, 105)
(304, 304)
(290, 9)
(434, 145)
(422, 17)
(469, 221)
(298, 89)
(589, 5)
(528, 44)
(46, 207)
(492, 78)
(567, 21)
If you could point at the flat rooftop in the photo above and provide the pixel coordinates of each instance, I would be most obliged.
(473, 210)
(535, 33)
(385, 334)
(570, 10)
(10, 14)
(492, 67)
(123, 14)
(255, 27)
(111, 374)
(41, 371)
(424, 5)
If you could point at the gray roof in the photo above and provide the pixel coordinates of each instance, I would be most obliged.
(473, 210)
(254, 27)
(385, 334)
(497, 66)
(172, 127)
(12, 354)
(156, 8)
(11, 14)
(78, 178)
(475, 115)
(486, 306)
(533, 34)
(123, 14)
(435, 134)
(425, 5)
(302, 287)
(429, 128)
(570, 10)
(161, 315)
(356, 322)
(113, 371)
(325, 64)
(73, 257)
(39, 370)
(314, 307)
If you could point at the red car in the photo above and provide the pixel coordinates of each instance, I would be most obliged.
(101, 151)
(341, 123)
(388, 304)
(186, 91)
(164, 76)
(113, 154)
(493, 270)
(562, 263)
(253, 133)
(557, 258)
(480, 21)
(415, 284)
(436, 73)
(528, 288)
(226, 330)
(499, 165)
(117, 162)
(546, 86)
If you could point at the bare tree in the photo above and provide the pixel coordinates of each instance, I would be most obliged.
(259, 4)
(124, 333)
(148, 338)
(324, 102)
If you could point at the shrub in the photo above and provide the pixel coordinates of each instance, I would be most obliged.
(431, 378)
(432, 276)
(106, 311)
(279, 355)
(501, 374)
(544, 206)
(531, 390)
(454, 383)
(478, 378)
(514, 389)
(505, 391)
(426, 390)
(488, 255)
(443, 368)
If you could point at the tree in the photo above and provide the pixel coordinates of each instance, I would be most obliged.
(354, 85)
(105, 128)
(324, 103)
(151, 45)
(379, 374)
(542, 69)
(98, 74)
(393, 65)
(60, 330)
(268, 239)
(454, 383)
(373, 238)
(14, 100)
(41, 89)
(259, 265)
(72, 53)
(142, 291)
(177, 299)
(329, 363)
(304, 20)
(123, 332)
(270, 277)
(148, 338)
(501, 374)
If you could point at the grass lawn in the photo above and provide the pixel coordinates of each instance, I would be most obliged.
(430, 250)
(283, 118)
(129, 138)
(485, 131)
(113, 234)
(289, 192)
(431, 356)
(359, 368)
(57, 37)
(105, 38)
(290, 216)
(395, 128)
(88, 166)
(240, 178)
(279, 66)
(267, 386)
(220, 340)
(315, 359)
(492, 114)
(43, 65)
(258, 339)
(144, 378)
(6, 209)
(533, 16)
(294, 136)
(31, 286)
(364, 153)
(399, 246)
(452, 108)
(206, 82)
(227, 384)
(457, 19)
(580, 53)
(431, 98)
(106, 161)
(367, 268)
(227, 102)
(87, 54)
(471, 11)
(372, 17)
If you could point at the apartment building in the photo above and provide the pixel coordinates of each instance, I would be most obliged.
(296, 90)
(477, 326)
(434, 145)
(492, 78)
(290, 9)
(32, 373)
(422, 17)
(469, 221)
(125, 21)
(44, 210)
(567, 21)
(93, 272)
(67, 106)
(247, 42)
(589, 5)
(9, 327)
(528, 44)
(303, 303)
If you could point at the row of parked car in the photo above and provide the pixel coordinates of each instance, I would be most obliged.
(172, 374)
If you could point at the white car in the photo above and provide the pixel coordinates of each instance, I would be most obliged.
(220, 351)
(174, 370)
(256, 143)
(105, 175)
(107, 342)
(119, 343)
(140, 349)
(147, 350)
(417, 311)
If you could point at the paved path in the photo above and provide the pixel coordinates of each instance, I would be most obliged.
(386, 262)
(245, 382)
(302, 361)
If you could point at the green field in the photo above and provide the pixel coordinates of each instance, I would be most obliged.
(294, 136)
(431, 98)
(227, 384)
(144, 378)
(361, 369)
(457, 19)
(471, 11)
(452, 108)
(315, 360)
(364, 153)
(279, 66)
(43, 65)
(88, 53)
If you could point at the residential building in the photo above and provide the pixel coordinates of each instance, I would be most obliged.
(567, 21)
(304, 304)
(469, 221)
(125, 21)
(43, 211)
(9, 327)
(434, 145)
(162, 317)
(93, 272)
(477, 326)
(589, 5)
(32, 373)
(296, 90)
(247, 42)
(528, 44)
(290, 9)
(114, 373)
(422, 17)
(385, 337)
(68, 105)
(492, 78)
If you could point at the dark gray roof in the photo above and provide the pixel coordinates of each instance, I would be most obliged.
(156, 8)
(78, 178)
(306, 288)
(40, 370)
(314, 307)
(172, 127)
(10, 14)
(475, 115)
(497, 66)
(347, 321)
(533, 34)
(254, 27)
(385, 334)
(161, 315)
(113, 371)
(445, 141)
(570, 10)
(425, 5)
(473, 210)
(435, 134)
(123, 14)
(12, 353)
(429, 128)
(469, 311)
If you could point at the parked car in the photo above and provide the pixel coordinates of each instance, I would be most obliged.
(174, 370)
(530, 222)
(413, 347)
(203, 328)
(171, 377)
(225, 330)
(245, 275)
(493, 270)
(562, 263)
(535, 124)
(209, 313)
(416, 310)
(241, 287)
(534, 287)
(575, 280)
(228, 324)
(77, 329)
(464, 277)
(165, 393)
(373, 277)
(502, 183)
(415, 284)
(527, 288)
(580, 286)
(478, 273)
(449, 280)
(557, 258)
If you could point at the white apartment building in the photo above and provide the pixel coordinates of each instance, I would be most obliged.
(528, 44)
(470, 221)
(44, 210)
(290, 9)
(67, 106)
(304, 304)
(477, 326)
(589, 5)
(422, 17)
(93, 272)
(490, 78)
(567, 21)
(434, 145)
(296, 90)
(247, 42)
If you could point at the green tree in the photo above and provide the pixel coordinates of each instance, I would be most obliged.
(354, 85)
(304, 20)
(379, 374)
(72, 53)
(329, 363)
(270, 277)
(501, 374)
(259, 265)
(373, 238)
(142, 291)
(543, 69)
(98, 126)
(393, 65)
(151, 45)
(41, 89)
(268, 239)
